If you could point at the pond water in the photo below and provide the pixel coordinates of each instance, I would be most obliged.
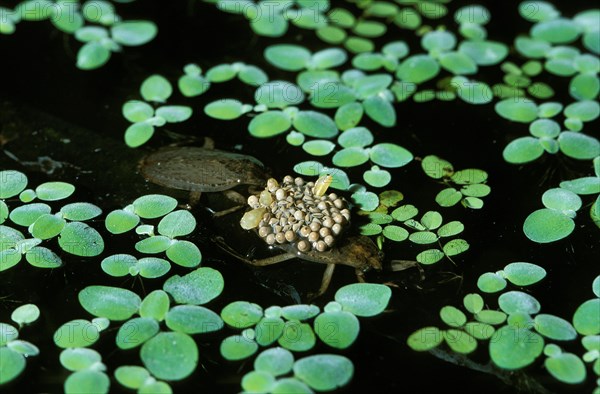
(66, 124)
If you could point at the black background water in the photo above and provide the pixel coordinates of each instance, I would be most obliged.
(44, 95)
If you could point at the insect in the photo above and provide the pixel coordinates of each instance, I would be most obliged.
(205, 170)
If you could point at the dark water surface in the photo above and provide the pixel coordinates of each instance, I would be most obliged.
(44, 100)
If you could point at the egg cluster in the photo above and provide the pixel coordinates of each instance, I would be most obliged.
(298, 212)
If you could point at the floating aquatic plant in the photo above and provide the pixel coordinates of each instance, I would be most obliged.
(95, 23)
(173, 225)
(74, 236)
(288, 326)
(14, 351)
(521, 341)
(465, 186)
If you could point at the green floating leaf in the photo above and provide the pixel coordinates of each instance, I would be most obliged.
(585, 111)
(76, 333)
(184, 253)
(438, 40)
(297, 336)
(136, 331)
(584, 86)
(268, 330)
(518, 302)
(425, 339)
(358, 44)
(455, 246)
(174, 113)
(318, 147)
(337, 329)
(491, 282)
(237, 347)
(518, 111)
(92, 55)
(242, 314)
(131, 376)
(25, 314)
(450, 229)
(294, 138)
(177, 223)
(138, 134)
(473, 302)
(26, 215)
(547, 225)
(273, 26)
(193, 85)
(459, 341)
(275, 361)
(348, 116)
(367, 229)
(152, 267)
(561, 200)
(367, 201)
(324, 372)
(252, 75)
(80, 211)
(198, 287)
(87, 381)
(586, 319)
(258, 382)
(491, 317)
(77, 359)
(156, 88)
(524, 274)
(544, 128)
(155, 305)
(430, 256)
(556, 31)
(484, 53)
(436, 167)
(523, 150)
(154, 205)
(278, 94)
(566, 367)
(41, 257)
(300, 312)
(120, 221)
(221, 73)
(52, 191)
(356, 137)
(11, 183)
(192, 319)
(472, 92)
(377, 177)
(110, 302)
(515, 348)
(479, 331)
(350, 157)
(578, 145)
(417, 69)
(269, 124)
(47, 226)
(554, 327)
(453, 316)
(133, 33)
(224, 109)
(364, 299)
(315, 124)
(390, 155)
(81, 240)
(9, 258)
(170, 355)
(380, 110)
